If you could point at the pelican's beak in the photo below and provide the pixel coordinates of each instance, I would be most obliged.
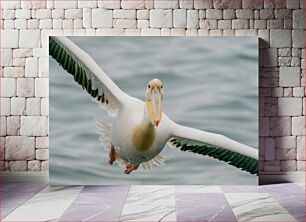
(154, 105)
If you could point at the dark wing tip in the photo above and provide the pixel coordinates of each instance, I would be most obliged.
(65, 59)
(235, 159)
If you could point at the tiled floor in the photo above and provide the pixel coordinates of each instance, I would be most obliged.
(39, 202)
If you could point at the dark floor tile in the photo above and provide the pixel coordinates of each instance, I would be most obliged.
(22, 187)
(289, 199)
(92, 198)
(203, 207)
(97, 203)
(14, 198)
(98, 212)
(13, 195)
(298, 212)
(6, 210)
(283, 188)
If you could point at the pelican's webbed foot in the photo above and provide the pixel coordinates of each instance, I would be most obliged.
(112, 155)
(130, 167)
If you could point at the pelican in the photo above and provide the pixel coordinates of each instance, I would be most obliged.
(141, 129)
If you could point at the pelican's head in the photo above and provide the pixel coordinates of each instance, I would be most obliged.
(154, 100)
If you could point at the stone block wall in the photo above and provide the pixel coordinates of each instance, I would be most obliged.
(26, 25)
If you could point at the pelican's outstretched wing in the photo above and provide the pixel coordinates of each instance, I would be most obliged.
(216, 146)
(87, 73)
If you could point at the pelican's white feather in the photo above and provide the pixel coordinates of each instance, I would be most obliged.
(157, 161)
(214, 139)
(103, 130)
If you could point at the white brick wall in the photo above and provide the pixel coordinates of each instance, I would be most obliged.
(20, 148)
(26, 26)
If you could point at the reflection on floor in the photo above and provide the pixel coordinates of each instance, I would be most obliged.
(39, 202)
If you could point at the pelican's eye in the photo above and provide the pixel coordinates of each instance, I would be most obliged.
(149, 86)
(161, 87)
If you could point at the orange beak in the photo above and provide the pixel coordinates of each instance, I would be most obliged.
(154, 106)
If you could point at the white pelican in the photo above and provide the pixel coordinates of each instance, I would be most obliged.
(141, 130)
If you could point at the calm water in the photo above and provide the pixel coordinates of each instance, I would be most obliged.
(210, 84)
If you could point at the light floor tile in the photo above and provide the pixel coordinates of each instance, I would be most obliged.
(257, 207)
(149, 203)
(301, 185)
(241, 189)
(198, 189)
(47, 205)
(107, 189)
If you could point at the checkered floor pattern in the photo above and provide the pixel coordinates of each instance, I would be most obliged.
(40, 202)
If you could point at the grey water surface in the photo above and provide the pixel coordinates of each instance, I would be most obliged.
(211, 83)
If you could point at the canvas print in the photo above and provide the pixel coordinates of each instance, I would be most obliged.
(153, 110)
